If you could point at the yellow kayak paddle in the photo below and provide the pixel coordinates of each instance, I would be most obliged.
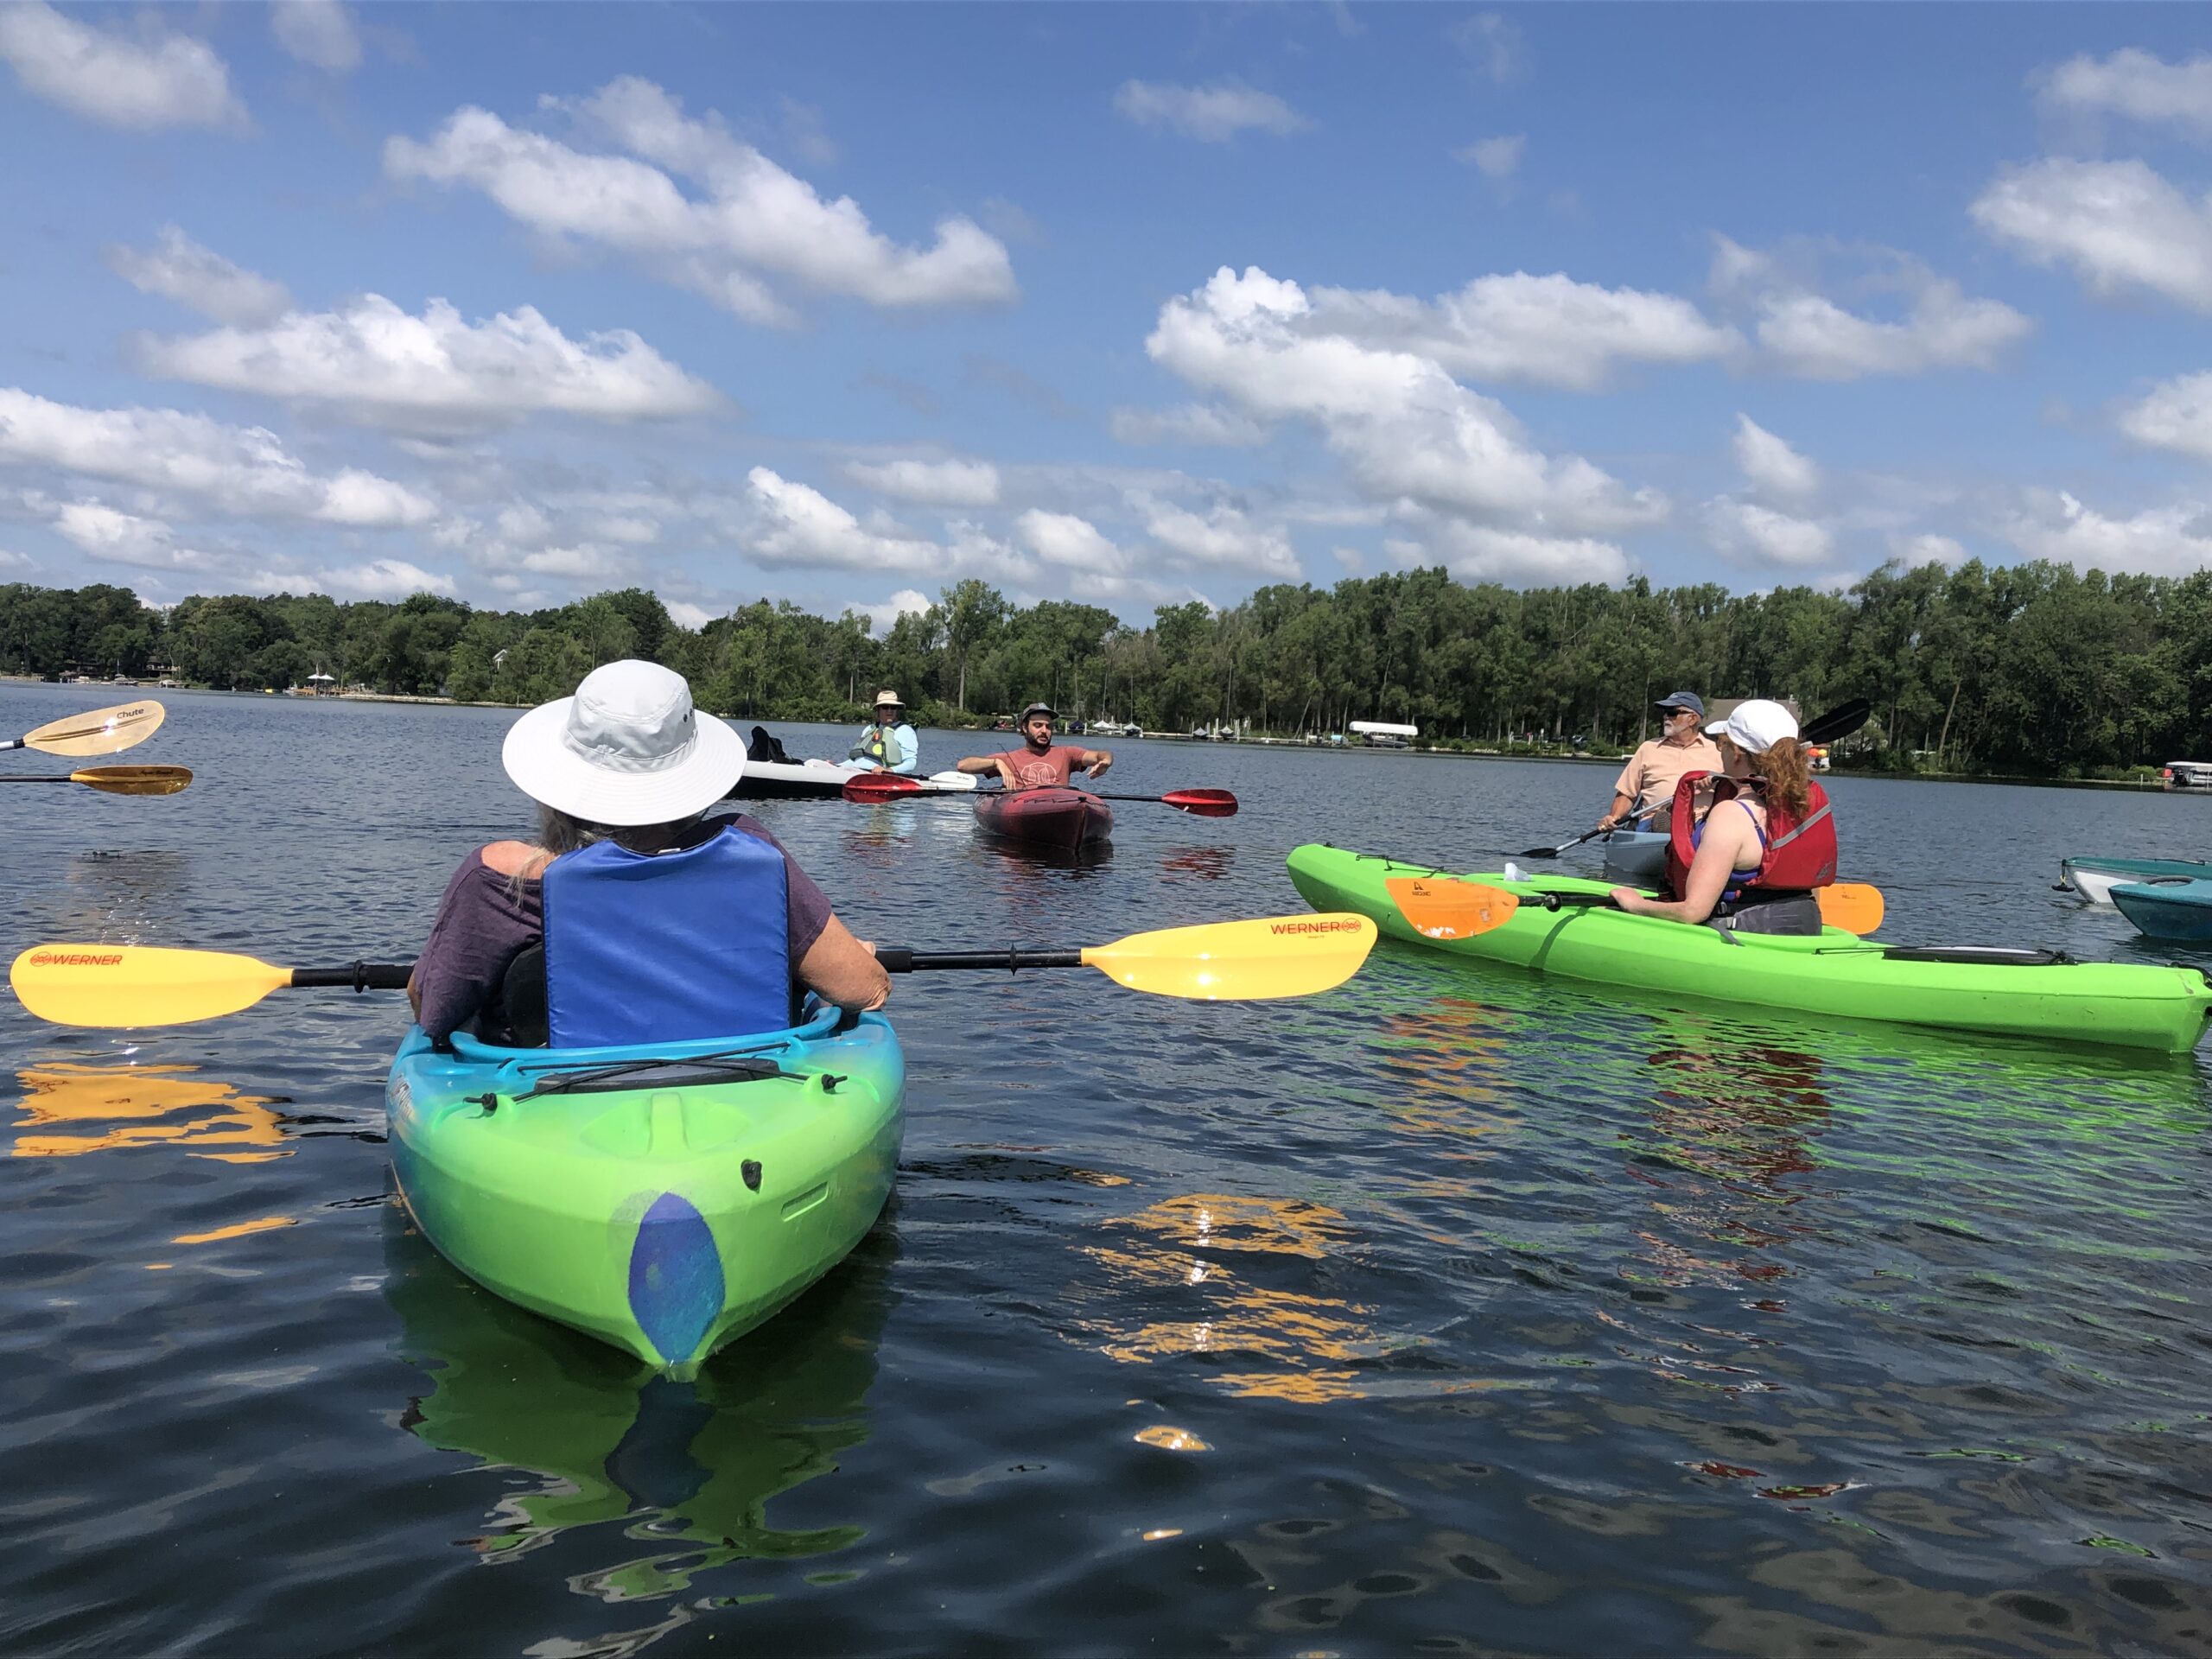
(115, 780)
(127, 985)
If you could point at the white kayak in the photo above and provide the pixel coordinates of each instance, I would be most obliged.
(773, 781)
(2095, 878)
(1636, 857)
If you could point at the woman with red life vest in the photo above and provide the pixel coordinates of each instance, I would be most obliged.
(633, 917)
(1750, 862)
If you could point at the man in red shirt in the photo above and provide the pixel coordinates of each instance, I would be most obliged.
(1041, 764)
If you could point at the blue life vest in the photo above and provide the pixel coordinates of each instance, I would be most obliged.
(666, 947)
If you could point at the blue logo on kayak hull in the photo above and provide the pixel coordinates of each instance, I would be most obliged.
(675, 1278)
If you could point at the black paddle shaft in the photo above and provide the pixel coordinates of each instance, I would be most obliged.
(899, 959)
(358, 975)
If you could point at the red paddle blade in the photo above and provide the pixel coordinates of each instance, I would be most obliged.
(1203, 802)
(880, 786)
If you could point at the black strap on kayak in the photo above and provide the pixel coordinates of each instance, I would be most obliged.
(1979, 955)
(657, 1072)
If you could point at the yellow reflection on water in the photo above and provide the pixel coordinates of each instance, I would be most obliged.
(237, 1229)
(1287, 1343)
(68, 1110)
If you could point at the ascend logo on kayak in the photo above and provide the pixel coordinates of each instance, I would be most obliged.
(1345, 924)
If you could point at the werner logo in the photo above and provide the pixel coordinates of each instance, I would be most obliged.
(76, 959)
(1346, 926)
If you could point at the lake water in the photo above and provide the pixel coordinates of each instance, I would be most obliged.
(1453, 1311)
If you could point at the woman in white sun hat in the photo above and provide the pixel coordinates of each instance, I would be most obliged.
(888, 743)
(656, 922)
(1750, 862)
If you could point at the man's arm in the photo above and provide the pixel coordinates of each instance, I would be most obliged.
(980, 765)
(839, 969)
(1098, 760)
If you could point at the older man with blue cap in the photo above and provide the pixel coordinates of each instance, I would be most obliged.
(1647, 782)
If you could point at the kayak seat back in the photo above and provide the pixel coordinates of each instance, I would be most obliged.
(666, 947)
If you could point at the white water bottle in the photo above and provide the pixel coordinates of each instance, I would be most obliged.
(1513, 871)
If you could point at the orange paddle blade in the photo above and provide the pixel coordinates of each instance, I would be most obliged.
(1855, 906)
(1449, 907)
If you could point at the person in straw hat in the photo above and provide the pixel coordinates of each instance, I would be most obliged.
(888, 743)
(634, 917)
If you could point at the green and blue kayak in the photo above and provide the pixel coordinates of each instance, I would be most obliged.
(1998, 991)
(666, 1198)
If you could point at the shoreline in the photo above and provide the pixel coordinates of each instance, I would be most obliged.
(2023, 780)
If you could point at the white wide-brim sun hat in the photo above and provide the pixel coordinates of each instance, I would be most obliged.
(627, 749)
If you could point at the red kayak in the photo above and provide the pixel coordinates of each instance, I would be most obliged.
(1046, 818)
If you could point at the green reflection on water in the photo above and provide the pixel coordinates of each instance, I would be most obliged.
(689, 1468)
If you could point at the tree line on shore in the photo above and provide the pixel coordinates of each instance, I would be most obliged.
(2032, 669)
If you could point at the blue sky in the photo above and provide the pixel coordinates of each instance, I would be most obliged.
(1128, 304)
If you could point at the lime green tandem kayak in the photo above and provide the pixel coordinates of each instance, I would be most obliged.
(664, 1199)
(2022, 993)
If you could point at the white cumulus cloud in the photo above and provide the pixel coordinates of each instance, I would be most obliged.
(1757, 535)
(124, 537)
(381, 579)
(798, 527)
(1802, 331)
(750, 221)
(907, 602)
(932, 483)
(245, 471)
(2176, 415)
(2171, 540)
(376, 363)
(2135, 83)
(1222, 538)
(157, 80)
(1771, 464)
(179, 269)
(1214, 114)
(1546, 330)
(319, 33)
(1403, 426)
(2118, 225)
(1065, 539)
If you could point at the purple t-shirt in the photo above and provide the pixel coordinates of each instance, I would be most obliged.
(487, 920)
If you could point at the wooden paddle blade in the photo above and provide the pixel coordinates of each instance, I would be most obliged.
(1239, 961)
(1447, 907)
(1855, 906)
(104, 731)
(1203, 802)
(880, 786)
(134, 780)
(120, 985)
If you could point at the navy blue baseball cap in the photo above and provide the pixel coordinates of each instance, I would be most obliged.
(1688, 700)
